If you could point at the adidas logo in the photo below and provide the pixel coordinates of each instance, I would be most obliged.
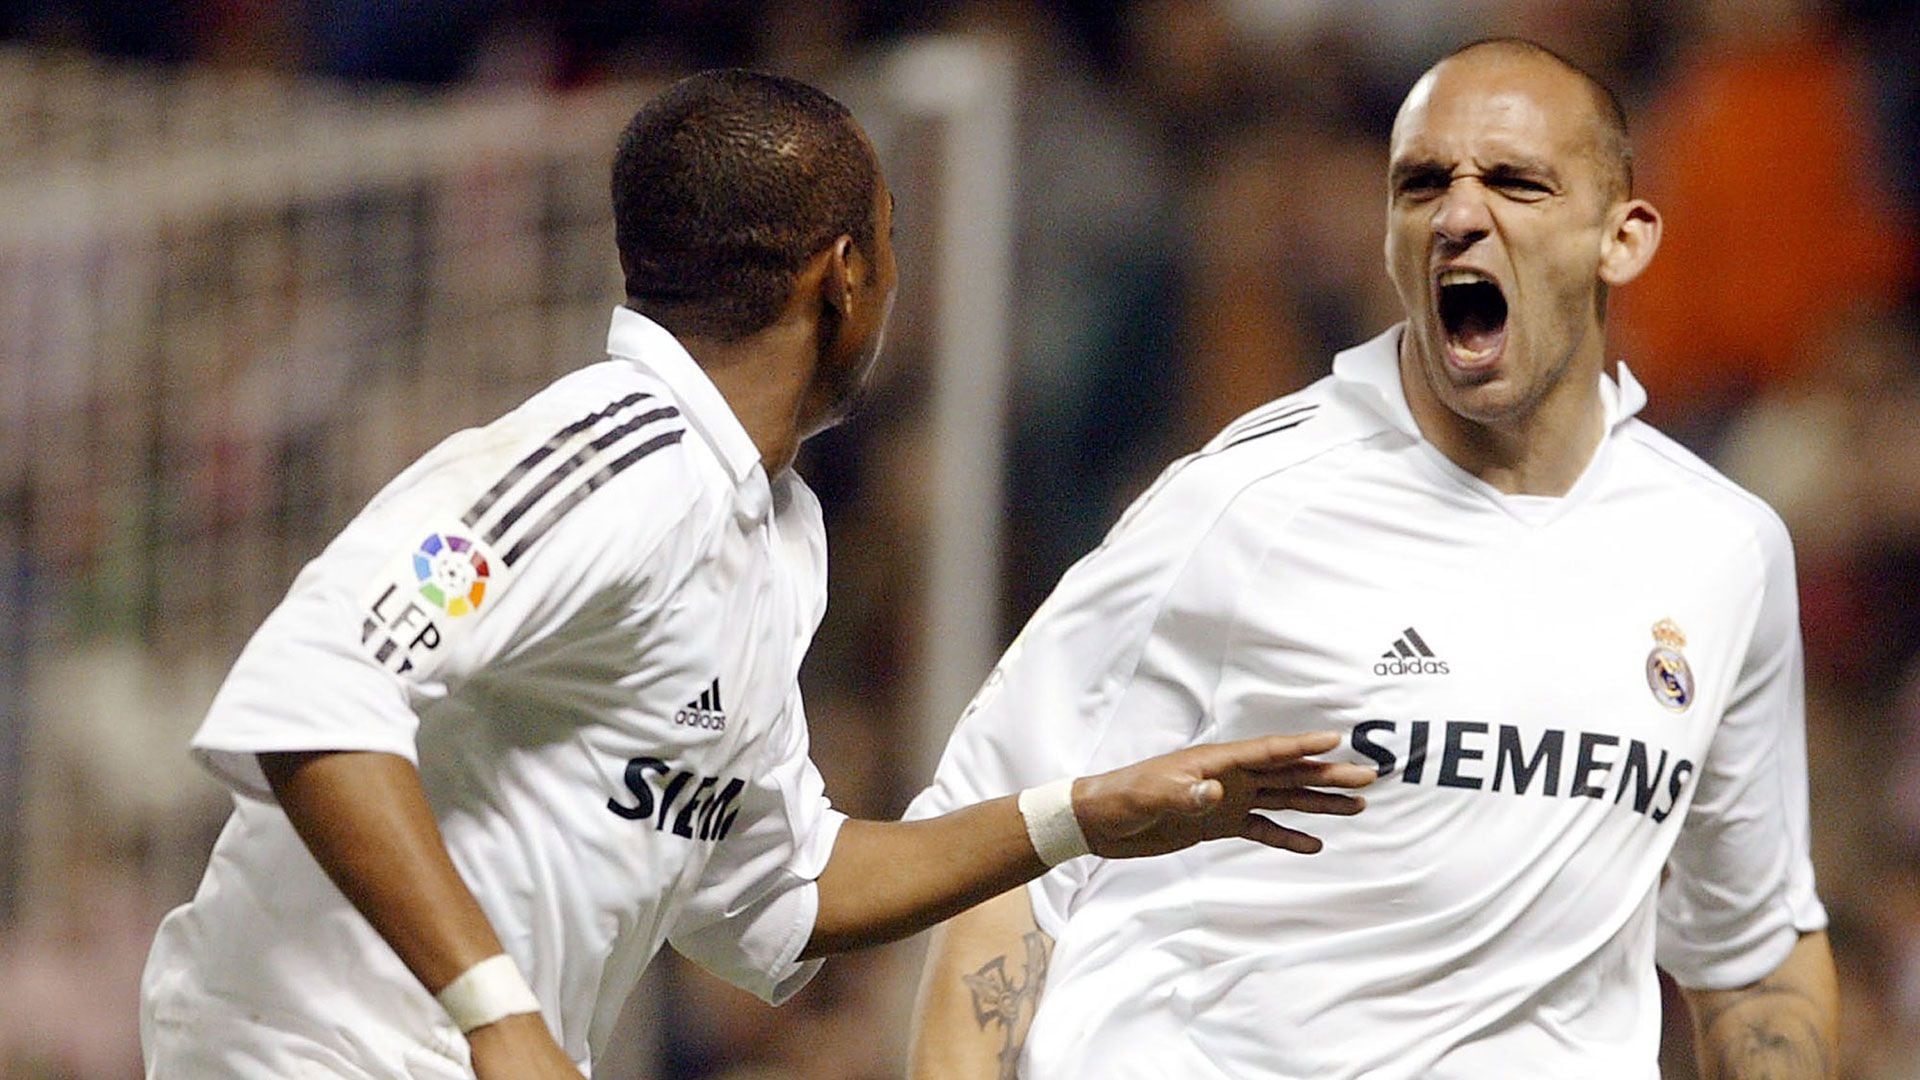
(1409, 656)
(704, 711)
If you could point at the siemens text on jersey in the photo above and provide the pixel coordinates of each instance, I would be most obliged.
(706, 813)
(1466, 744)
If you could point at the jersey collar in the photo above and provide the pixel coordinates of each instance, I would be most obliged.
(640, 341)
(1372, 371)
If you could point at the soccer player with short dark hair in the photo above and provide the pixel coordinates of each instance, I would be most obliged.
(535, 712)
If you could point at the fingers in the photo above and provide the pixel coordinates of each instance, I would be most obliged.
(1265, 831)
(1308, 801)
(1167, 803)
(1268, 751)
(1315, 774)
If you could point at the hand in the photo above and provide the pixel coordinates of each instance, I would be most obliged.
(1206, 792)
(519, 1047)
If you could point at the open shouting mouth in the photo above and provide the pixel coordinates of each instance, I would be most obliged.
(1473, 312)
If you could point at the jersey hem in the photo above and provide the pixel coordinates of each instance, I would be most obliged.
(1752, 964)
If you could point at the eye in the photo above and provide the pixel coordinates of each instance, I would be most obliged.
(1520, 187)
(1421, 183)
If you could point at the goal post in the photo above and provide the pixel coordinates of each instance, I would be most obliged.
(967, 84)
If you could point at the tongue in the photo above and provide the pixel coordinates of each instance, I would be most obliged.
(1478, 331)
(1475, 316)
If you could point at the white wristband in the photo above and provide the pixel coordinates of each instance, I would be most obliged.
(1051, 826)
(490, 990)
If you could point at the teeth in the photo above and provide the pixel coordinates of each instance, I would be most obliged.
(1462, 277)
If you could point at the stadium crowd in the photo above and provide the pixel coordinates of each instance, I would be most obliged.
(1199, 209)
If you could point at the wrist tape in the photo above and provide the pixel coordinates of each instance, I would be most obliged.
(490, 990)
(1055, 832)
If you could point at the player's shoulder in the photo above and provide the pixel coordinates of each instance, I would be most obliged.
(599, 405)
(610, 440)
(602, 452)
(1291, 428)
(1301, 443)
(1695, 488)
(1295, 439)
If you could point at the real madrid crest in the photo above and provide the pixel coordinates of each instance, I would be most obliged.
(1668, 675)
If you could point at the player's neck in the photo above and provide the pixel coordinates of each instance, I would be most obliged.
(765, 379)
(1541, 451)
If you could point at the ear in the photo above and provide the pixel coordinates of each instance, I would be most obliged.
(1633, 234)
(842, 270)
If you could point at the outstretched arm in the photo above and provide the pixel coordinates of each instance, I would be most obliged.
(985, 972)
(1783, 1027)
(367, 822)
(887, 880)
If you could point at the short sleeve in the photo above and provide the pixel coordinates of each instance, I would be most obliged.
(754, 908)
(1119, 664)
(304, 683)
(438, 578)
(1739, 890)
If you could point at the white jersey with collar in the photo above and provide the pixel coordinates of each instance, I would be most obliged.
(1570, 702)
(584, 621)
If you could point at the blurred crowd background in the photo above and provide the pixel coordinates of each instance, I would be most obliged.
(196, 397)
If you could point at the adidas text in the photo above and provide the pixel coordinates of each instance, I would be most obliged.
(701, 718)
(1415, 666)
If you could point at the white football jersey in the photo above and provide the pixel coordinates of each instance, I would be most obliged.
(1586, 712)
(584, 622)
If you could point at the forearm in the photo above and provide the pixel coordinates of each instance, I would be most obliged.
(887, 880)
(1783, 1027)
(984, 975)
(367, 822)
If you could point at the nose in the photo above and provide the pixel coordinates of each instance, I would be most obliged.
(1461, 218)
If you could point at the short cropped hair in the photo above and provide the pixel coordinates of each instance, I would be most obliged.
(1614, 147)
(724, 186)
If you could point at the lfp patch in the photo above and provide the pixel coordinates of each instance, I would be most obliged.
(452, 573)
(426, 594)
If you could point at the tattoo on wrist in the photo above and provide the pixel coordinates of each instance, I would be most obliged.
(1001, 1002)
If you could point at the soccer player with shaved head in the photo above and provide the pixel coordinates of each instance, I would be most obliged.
(1569, 648)
(535, 713)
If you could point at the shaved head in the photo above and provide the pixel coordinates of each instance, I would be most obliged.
(1509, 216)
(1610, 147)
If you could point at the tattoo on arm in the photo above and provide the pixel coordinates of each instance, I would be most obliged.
(1773, 1048)
(999, 1001)
(1766, 1033)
